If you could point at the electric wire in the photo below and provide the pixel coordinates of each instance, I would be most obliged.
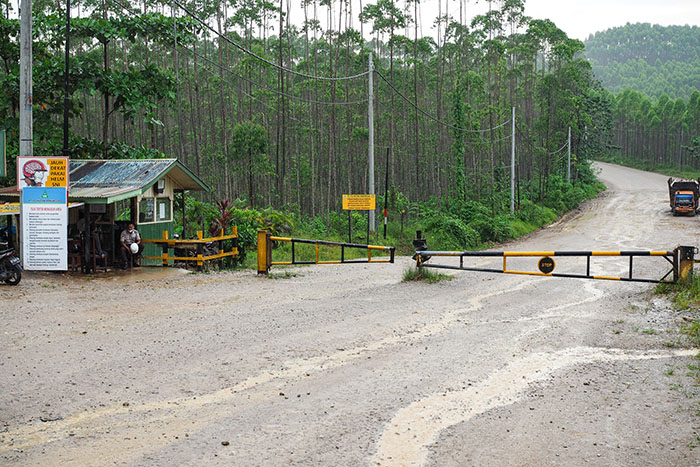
(290, 96)
(486, 141)
(558, 150)
(561, 158)
(213, 73)
(262, 59)
(322, 78)
(409, 101)
(222, 68)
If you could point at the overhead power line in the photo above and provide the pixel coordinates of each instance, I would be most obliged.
(558, 150)
(304, 75)
(135, 15)
(486, 141)
(262, 59)
(415, 106)
(213, 73)
(291, 96)
(254, 83)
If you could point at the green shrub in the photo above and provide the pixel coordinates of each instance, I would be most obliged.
(519, 228)
(536, 214)
(451, 233)
(502, 230)
(468, 211)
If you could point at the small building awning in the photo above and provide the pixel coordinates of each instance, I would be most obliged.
(108, 181)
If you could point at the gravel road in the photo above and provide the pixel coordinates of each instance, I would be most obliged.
(347, 365)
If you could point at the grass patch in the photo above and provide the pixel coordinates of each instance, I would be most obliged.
(693, 332)
(424, 274)
(281, 275)
(685, 295)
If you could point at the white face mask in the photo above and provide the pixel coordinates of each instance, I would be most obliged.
(131, 231)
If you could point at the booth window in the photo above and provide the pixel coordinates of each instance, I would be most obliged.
(146, 210)
(163, 211)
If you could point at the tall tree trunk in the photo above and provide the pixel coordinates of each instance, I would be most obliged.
(222, 110)
(416, 135)
(281, 125)
(198, 127)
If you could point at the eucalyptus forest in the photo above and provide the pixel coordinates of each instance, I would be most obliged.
(274, 114)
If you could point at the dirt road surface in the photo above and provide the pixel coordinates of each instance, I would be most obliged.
(347, 365)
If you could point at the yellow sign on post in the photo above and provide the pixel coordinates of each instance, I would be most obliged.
(359, 202)
(3, 154)
(58, 173)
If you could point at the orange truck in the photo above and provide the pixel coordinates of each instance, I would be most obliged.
(684, 196)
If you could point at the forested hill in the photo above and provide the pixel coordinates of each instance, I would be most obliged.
(648, 58)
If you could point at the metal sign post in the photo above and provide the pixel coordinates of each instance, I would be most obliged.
(3, 154)
(386, 194)
(359, 203)
(370, 123)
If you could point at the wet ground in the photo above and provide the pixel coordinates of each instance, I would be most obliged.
(347, 365)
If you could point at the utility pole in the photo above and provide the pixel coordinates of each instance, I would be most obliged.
(568, 159)
(26, 137)
(66, 95)
(370, 117)
(512, 164)
(680, 149)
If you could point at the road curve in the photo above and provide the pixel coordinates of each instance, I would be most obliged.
(347, 365)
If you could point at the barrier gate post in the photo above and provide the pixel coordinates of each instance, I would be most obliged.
(420, 244)
(686, 258)
(264, 252)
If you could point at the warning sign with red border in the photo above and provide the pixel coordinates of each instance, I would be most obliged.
(50, 172)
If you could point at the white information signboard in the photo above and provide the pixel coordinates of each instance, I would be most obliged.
(44, 228)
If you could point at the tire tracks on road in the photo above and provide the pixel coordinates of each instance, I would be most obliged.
(406, 437)
(117, 422)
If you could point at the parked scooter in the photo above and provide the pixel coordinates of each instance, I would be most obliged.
(10, 269)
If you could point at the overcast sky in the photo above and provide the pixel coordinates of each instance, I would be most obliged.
(578, 18)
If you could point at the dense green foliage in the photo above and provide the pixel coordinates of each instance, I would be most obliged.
(651, 59)
(655, 72)
(656, 132)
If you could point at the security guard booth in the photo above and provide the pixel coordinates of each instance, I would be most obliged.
(117, 192)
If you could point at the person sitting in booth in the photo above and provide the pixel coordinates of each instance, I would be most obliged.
(131, 246)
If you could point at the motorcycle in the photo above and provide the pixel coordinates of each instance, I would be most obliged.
(10, 269)
(190, 251)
